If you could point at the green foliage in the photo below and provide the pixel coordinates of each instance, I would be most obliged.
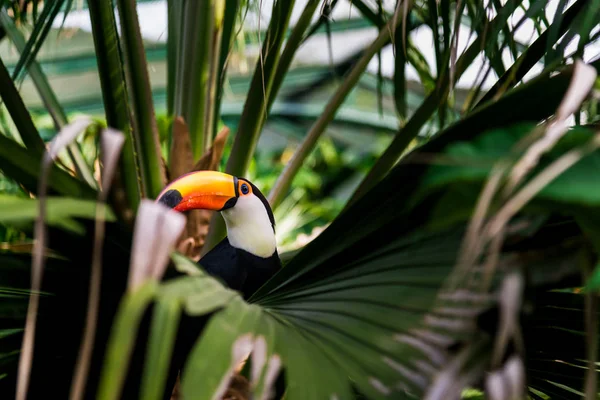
(122, 341)
(114, 92)
(61, 211)
(144, 130)
(394, 298)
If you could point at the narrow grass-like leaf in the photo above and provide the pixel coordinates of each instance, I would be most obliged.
(256, 105)
(492, 51)
(368, 13)
(37, 75)
(400, 73)
(122, 340)
(163, 331)
(433, 22)
(379, 89)
(553, 33)
(67, 8)
(214, 73)
(20, 115)
(292, 45)
(445, 14)
(199, 18)
(326, 10)
(114, 94)
(173, 17)
(48, 97)
(419, 62)
(508, 36)
(453, 50)
(589, 21)
(284, 181)
(61, 211)
(405, 135)
(229, 32)
(65, 137)
(111, 144)
(23, 166)
(40, 31)
(144, 126)
(531, 56)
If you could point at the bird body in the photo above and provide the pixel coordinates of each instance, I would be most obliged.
(239, 269)
(248, 256)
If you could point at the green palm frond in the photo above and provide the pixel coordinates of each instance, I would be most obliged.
(373, 312)
(388, 301)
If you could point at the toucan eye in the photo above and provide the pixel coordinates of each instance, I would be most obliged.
(244, 188)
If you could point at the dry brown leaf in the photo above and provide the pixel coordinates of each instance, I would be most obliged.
(66, 136)
(211, 159)
(119, 201)
(180, 157)
(111, 143)
(181, 162)
(19, 247)
(239, 389)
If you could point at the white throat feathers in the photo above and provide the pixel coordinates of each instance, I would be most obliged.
(249, 227)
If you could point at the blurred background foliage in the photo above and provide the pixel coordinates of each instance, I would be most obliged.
(361, 131)
(362, 128)
(368, 113)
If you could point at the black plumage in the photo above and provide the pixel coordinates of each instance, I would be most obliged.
(236, 268)
(239, 269)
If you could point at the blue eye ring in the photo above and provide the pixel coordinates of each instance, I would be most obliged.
(244, 188)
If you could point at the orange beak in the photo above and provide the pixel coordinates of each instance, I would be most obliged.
(207, 190)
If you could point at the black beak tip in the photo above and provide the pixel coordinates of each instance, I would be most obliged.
(171, 198)
(230, 203)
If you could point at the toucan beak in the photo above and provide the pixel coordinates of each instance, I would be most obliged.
(208, 190)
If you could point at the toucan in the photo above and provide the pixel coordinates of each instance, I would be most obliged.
(244, 260)
(248, 256)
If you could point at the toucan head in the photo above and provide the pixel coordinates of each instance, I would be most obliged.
(247, 213)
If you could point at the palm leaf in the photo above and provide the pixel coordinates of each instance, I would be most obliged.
(48, 97)
(16, 107)
(144, 123)
(38, 35)
(333, 303)
(560, 318)
(23, 166)
(114, 94)
(255, 107)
